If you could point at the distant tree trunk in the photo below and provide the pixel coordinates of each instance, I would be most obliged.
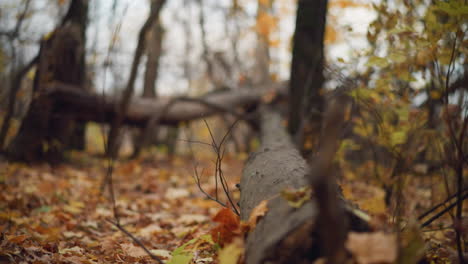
(45, 134)
(114, 132)
(153, 53)
(307, 66)
(261, 71)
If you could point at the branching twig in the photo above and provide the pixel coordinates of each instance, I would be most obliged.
(198, 182)
(219, 174)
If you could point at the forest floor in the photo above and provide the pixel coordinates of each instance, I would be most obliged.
(59, 214)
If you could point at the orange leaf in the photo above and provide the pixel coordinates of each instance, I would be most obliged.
(222, 235)
(227, 218)
(17, 239)
(228, 228)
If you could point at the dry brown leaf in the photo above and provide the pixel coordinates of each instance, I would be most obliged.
(258, 212)
(369, 248)
(133, 251)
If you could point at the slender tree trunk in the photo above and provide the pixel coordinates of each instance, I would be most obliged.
(307, 66)
(261, 71)
(149, 134)
(113, 137)
(153, 53)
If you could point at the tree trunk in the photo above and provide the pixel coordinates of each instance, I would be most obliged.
(153, 53)
(283, 235)
(148, 136)
(45, 134)
(306, 69)
(261, 69)
(113, 143)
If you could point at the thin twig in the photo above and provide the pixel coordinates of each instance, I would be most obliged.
(198, 182)
(447, 209)
(439, 205)
(121, 228)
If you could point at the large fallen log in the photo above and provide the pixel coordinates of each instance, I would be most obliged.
(93, 107)
(61, 101)
(283, 235)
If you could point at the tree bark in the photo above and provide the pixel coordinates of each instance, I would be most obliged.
(283, 235)
(305, 99)
(44, 134)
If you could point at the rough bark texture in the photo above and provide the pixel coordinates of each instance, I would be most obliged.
(283, 235)
(43, 134)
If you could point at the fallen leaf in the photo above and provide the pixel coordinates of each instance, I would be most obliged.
(161, 253)
(75, 249)
(189, 219)
(258, 212)
(176, 193)
(297, 197)
(133, 251)
(368, 248)
(17, 239)
(231, 253)
(228, 228)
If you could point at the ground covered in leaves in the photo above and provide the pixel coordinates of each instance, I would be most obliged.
(60, 215)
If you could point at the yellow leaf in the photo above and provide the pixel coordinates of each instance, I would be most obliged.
(398, 137)
(296, 198)
(231, 253)
(377, 61)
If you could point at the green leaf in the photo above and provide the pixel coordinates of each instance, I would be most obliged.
(181, 255)
(181, 258)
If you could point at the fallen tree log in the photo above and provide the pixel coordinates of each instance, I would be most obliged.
(283, 235)
(65, 101)
(92, 107)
